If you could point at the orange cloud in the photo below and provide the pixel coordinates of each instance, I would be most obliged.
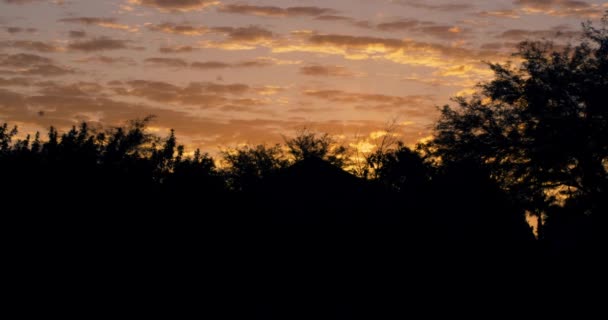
(38, 46)
(562, 8)
(110, 23)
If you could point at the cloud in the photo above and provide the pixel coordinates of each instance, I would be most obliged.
(166, 62)
(207, 65)
(14, 30)
(176, 49)
(271, 11)
(98, 44)
(561, 8)
(101, 22)
(37, 46)
(181, 29)
(247, 34)
(241, 38)
(176, 5)
(77, 34)
(205, 95)
(30, 64)
(78, 89)
(506, 13)
(368, 101)
(398, 25)
(449, 6)
(107, 60)
(333, 17)
(326, 71)
(423, 27)
(15, 82)
(260, 62)
(21, 1)
(560, 32)
(64, 105)
(23, 60)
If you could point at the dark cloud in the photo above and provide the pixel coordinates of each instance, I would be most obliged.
(255, 63)
(98, 44)
(77, 34)
(78, 89)
(14, 30)
(177, 49)
(333, 17)
(176, 5)
(166, 62)
(23, 60)
(182, 29)
(48, 70)
(251, 33)
(21, 1)
(205, 95)
(107, 60)
(211, 65)
(447, 6)
(31, 65)
(326, 71)
(89, 20)
(271, 11)
(16, 82)
(560, 32)
(241, 38)
(398, 25)
(370, 101)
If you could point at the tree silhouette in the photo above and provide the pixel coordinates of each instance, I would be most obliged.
(308, 144)
(539, 128)
(246, 167)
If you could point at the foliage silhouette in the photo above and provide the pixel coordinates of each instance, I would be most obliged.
(539, 129)
(533, 140)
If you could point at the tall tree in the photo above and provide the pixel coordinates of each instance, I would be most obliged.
(540, 126)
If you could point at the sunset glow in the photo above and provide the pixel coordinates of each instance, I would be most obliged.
(223, 73)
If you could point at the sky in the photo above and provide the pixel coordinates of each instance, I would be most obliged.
(227, 73)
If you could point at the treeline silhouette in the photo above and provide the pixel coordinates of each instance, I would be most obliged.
(532, 141)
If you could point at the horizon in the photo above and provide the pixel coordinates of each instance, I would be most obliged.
(224, 73)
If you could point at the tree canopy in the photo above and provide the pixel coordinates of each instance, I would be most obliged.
(539, 126)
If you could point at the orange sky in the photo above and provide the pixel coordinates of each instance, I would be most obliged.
(229, 72)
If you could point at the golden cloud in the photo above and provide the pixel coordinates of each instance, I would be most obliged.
(562, 8)
(38, 46)
(110, 23)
